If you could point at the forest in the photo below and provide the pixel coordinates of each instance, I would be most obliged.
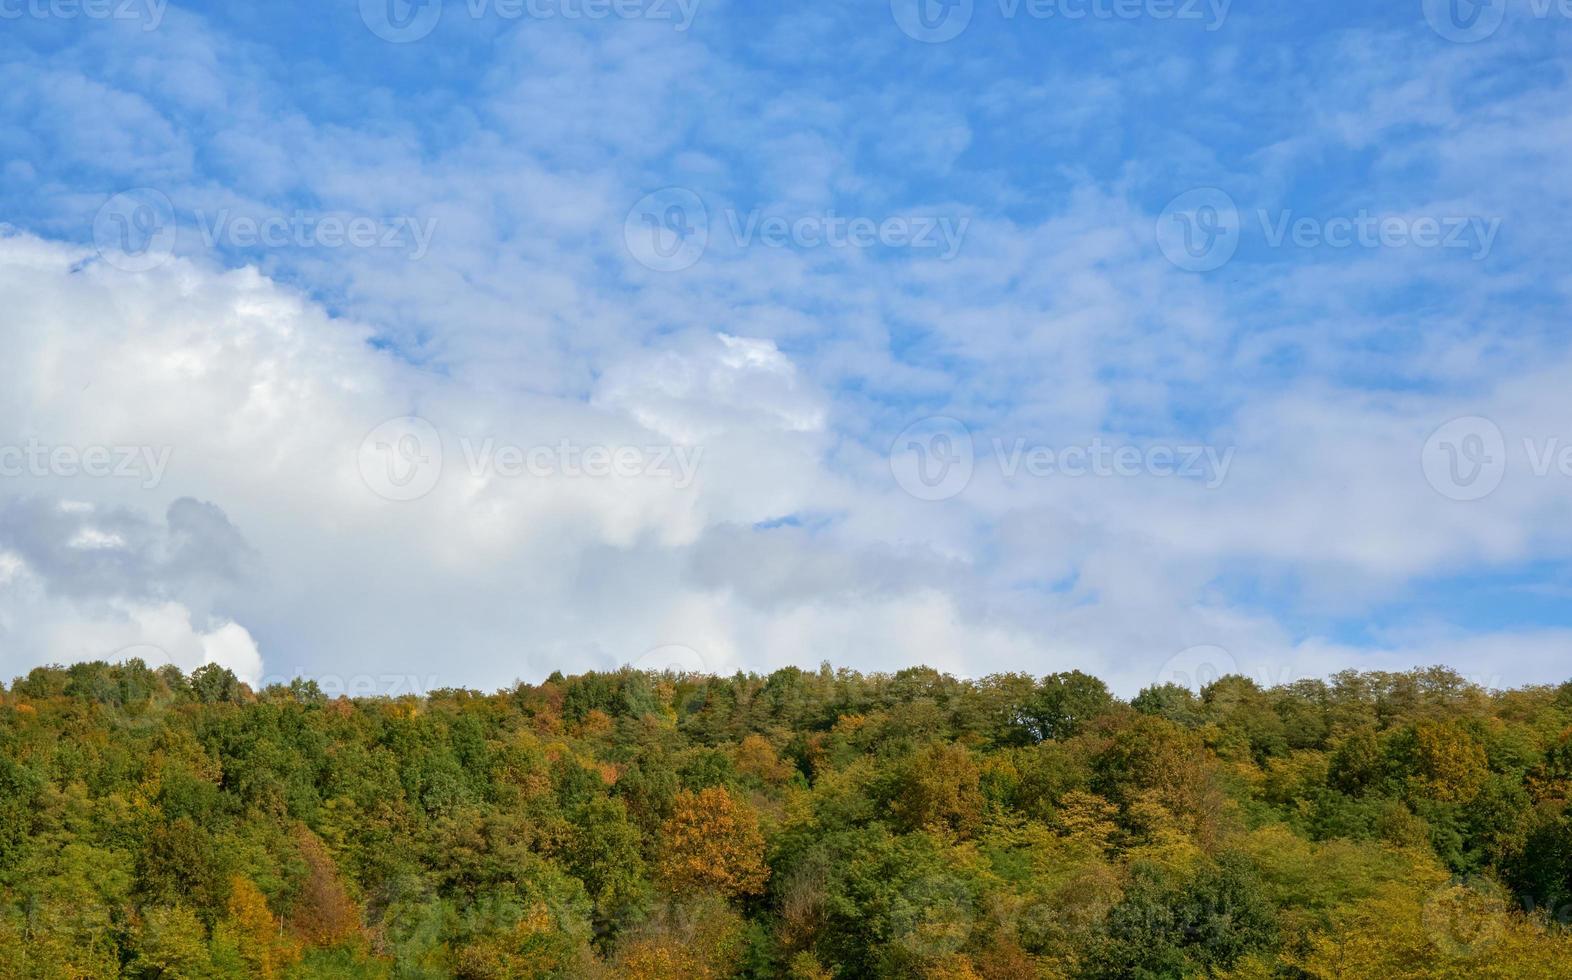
(804, 824)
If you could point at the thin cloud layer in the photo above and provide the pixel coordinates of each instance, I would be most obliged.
(420, 372)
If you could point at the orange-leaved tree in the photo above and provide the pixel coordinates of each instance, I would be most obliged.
(712, 841)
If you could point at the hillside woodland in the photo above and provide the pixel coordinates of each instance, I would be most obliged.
(803, 824)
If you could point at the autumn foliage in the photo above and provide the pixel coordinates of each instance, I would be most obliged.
(711, 842)
(807, 825)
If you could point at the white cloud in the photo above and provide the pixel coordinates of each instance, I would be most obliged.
(528, 326)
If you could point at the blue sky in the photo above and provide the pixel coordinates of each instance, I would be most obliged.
(905, 293)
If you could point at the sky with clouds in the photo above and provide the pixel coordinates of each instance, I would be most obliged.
(406, 344)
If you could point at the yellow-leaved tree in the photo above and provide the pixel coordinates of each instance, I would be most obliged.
(712, 841)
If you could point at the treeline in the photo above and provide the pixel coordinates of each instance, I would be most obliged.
(805, 825)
